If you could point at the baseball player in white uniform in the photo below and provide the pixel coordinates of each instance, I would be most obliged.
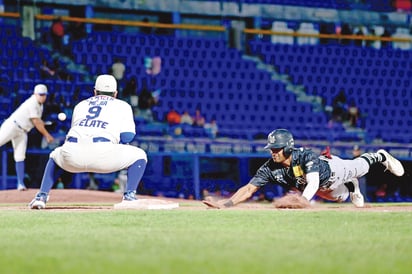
(20, 122)
(98, 141)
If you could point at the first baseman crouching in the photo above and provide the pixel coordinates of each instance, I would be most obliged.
(102, 126)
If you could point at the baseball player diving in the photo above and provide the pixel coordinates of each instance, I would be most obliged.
(333, 178)
(20, 122)
(98, 141)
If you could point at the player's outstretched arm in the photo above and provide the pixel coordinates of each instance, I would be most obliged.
(39, 124)
(241, 195)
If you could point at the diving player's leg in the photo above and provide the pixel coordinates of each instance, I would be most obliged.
(355, 194)
(345, 170)
(344, 180)
(338, 194)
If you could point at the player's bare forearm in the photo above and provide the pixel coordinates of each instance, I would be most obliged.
(39, 125)
(242, 194)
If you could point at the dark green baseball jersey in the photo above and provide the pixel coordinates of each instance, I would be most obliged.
(304, 161)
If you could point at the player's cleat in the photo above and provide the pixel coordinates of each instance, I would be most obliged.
(357, 199)
(392, 164)
(21, 187)
(356, 196)
(39, 202)
(129, 196)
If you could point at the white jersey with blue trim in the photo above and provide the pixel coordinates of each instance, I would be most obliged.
(30, 108)
(102, 116)
(93, 142)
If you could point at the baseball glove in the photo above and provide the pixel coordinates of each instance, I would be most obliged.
(291, 201)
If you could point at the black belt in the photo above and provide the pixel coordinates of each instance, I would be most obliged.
(95, 139)
(19, 126)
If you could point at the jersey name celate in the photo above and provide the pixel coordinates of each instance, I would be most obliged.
(93, 123)
(102, 116)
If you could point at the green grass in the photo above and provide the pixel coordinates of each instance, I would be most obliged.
(205, 241)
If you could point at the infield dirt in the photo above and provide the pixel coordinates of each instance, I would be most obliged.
(76, 199)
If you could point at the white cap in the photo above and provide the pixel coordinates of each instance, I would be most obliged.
(106, 83)
(40, 89)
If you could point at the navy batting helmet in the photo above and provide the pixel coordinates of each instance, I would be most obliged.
(281, 138)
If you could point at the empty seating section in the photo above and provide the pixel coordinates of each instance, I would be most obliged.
(205, 73)
(21, 59)
(246, 101)
(378, 80)
(381, 5)
(335, 4)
